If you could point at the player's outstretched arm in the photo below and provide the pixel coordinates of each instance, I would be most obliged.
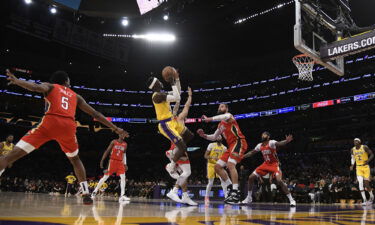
(225, 117)
(44, 88)
(82, 104)
(105, 154)
(183, 115)
(211, 137)
(287, 140)
(369, 152)
(250, 154)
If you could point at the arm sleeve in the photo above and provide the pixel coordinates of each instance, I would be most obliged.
(352, 160)
(272, 144)
(225, 116)
(257, 148)
(175, 97)
(209, 147)
(214, 136)
(124, 159)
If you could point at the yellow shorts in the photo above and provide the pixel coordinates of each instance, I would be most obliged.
(363, 171)
(172, 130)
(211, 171)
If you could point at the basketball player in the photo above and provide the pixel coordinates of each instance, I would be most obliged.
(270, 166)
(168, 126)
(57, 124)
(237, 146)
(117, 164)
(361, 156)
(213, 153)
(183, 170)
(6, 147)
(70, 179)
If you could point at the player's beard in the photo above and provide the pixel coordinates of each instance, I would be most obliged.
(220, 112)
(265, 139)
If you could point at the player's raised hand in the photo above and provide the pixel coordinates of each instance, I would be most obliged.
(201, 133)
(190, 92)
(11, 78)
(206, 119)
(120, 131)
(289, 138)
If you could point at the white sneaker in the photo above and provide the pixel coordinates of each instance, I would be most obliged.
(364, 203)
(247, 200)
(186, 199)
(173, 195)
(293, 203)
(123, 199)
(171, 168)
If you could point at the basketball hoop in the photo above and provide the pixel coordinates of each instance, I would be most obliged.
(305, 65)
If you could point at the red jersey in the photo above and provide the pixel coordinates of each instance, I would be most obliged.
(62, 101)
(118, 150)
(268, 151)
(231, 131)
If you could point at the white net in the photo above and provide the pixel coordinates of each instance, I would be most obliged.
(305, 65)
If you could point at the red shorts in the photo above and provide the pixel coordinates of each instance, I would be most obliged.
(115, 166)
(235, 151)
(60, 129)
(266, 168)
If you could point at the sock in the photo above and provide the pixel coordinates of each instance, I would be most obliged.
(122, 184)
(225, 184)
(363, 196)
(250, 194)
(290, 197)
(1, 172)
(85, 187)
(235, 186)
(175, 189)
(371, 194)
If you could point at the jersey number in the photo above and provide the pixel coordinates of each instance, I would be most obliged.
(64, 103)
(267, 158)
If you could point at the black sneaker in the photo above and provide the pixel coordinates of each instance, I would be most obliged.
(87, 199)
(233, 197)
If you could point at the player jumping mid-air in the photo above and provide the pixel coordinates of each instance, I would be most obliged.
(168, 126)
(183, 169)
(268, 148)
(57, 124)
(237, 145)
(213, 153)
(361, 156)
(117, 164)
(6, 147)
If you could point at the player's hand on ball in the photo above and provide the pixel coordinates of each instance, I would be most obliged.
(201, 133)
(11, 78)
(289, 138)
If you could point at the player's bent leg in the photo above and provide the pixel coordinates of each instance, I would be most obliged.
(100, 183)
(180, 150)
(208, 189)
(249, 197)
(187, 135)
(284, 188)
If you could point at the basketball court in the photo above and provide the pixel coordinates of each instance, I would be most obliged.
(19, 208)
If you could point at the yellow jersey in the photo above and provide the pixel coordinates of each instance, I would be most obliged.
(360, 155)
(163, 110)
(70, 179)
(216, 151)
(7, 148)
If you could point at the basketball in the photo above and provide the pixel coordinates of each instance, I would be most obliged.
(169, 73)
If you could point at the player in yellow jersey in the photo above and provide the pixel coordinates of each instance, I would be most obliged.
(361, 156)
(213, 154)
(70, 179)
(5, 147)
(170, 127)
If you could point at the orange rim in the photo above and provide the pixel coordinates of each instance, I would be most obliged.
(300, 56)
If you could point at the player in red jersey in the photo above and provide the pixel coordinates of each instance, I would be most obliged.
(57, 124)
(117, 164)
(237, 146)
(268, 148)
